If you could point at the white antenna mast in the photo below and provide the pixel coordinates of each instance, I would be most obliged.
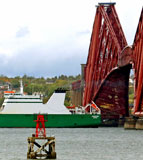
(21, 87)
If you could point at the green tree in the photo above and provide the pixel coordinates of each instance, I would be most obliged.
(15, 83)
(1, 101)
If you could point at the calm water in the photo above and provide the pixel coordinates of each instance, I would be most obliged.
(78, 144)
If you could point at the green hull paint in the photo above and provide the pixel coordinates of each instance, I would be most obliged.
(53, 120)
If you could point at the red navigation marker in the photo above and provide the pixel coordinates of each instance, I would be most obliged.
(40, 126)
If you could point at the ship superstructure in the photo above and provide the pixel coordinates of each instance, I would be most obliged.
(19, 110)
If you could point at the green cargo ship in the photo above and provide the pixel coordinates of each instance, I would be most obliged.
(53, 121)
(19, 110)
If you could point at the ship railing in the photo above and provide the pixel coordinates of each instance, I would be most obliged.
(93, 108)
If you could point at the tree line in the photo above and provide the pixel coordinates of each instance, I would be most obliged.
(44, 86)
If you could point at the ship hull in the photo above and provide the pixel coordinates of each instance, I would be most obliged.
(53, 120)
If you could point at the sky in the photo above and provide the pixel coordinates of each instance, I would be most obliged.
(47, 38)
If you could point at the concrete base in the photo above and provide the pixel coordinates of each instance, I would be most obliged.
(139, 124)
(130, 123)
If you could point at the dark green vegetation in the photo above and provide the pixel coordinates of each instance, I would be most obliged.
(131, 90)
(131, 94)
(45, 86)
(1, 101)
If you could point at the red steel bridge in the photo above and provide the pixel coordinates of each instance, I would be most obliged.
(109, 62)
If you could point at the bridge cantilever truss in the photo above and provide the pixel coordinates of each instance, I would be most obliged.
(109, 62)
(138, 67)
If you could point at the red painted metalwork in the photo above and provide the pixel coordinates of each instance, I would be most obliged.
(76, 85)
(109, 63)
(112, 97)
(107, 42)
(138, 67)
(40, 126)
(126, 57)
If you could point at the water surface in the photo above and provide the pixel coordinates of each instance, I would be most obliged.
(77, 144)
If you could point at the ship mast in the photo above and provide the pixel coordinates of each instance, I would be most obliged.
(21, 87)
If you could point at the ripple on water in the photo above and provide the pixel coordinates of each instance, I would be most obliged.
(77, 144)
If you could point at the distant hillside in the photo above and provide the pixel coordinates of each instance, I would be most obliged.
(44, 86)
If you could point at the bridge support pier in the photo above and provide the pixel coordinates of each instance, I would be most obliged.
(139, 124)
(130, 123)
(133, 123)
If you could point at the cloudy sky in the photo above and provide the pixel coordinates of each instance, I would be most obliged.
(51, 37)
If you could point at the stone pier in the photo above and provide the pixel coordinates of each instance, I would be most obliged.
(133, 123)
(139, 123)
(130, 123)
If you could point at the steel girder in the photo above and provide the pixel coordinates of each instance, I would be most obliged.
(107, 42)
(112, 96)
(138, 68)
(109, 63)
